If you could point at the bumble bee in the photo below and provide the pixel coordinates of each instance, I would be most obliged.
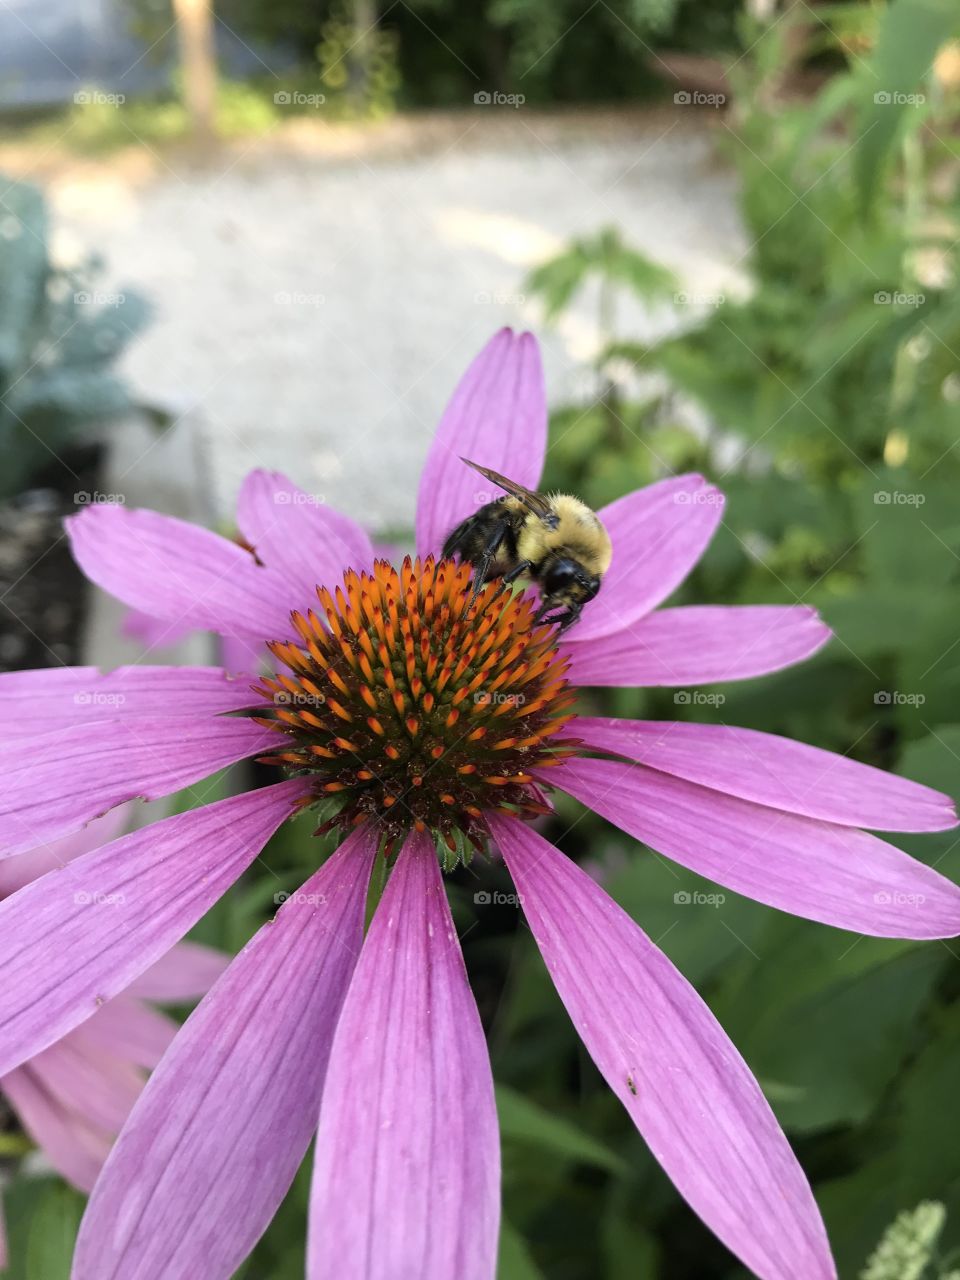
(554, 538)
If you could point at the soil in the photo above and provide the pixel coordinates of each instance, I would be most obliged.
(43, 595)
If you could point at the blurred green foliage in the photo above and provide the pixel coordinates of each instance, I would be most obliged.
(358, 60)
(358, 63)
(551, 50)
(42, 1216)
(826, 403)
(60, 334)
(908, 1250)
(244, 109)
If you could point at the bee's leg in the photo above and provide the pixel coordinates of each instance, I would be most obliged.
(566, 617)
(523, 567)
(482, 564)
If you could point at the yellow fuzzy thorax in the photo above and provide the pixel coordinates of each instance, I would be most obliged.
(578, 531)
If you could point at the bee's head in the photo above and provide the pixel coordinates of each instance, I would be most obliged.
(564, 581)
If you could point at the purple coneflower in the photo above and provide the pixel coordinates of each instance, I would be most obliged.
(424, 721)
(73, 1097)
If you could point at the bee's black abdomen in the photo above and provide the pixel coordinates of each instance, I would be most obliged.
(460, 538)
(480, 538)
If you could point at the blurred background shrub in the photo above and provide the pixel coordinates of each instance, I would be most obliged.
(61, 331)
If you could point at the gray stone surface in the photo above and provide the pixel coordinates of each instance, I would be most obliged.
(315, 309)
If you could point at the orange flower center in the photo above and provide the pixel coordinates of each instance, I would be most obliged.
(413, 703)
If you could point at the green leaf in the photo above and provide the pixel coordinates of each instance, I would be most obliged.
(935, 759)
(907, 529)
(928, 1157)
(52, 1232)
(514, 1259)
(699, 925)
(522, 1120)
(606, 256)
(556, 281)
(911, 32)
(825, 1019)
(876, 621)
(858, 1206)
(631, 1253)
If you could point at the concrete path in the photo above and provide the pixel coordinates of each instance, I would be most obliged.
(319, 292)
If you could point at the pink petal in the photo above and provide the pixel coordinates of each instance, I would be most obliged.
(304, 540)
(239, 654)
(130, 1030)
(57, 782)
(75, 938)
(658, 535)
(180, 572)
(75, 1148)
(99, 1087)
(698, 644)
(152, 633)
(667, 1059)
(33, 702)
(188, 970)
(837, 875)
(776, 772)
(497, 417)
(407, 1168)
(226, 1119)
(16, 872)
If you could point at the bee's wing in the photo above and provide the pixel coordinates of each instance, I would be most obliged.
(536, 502)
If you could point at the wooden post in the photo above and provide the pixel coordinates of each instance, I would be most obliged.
(198, 64)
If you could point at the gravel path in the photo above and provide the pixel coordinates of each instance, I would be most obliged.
(318, 294)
